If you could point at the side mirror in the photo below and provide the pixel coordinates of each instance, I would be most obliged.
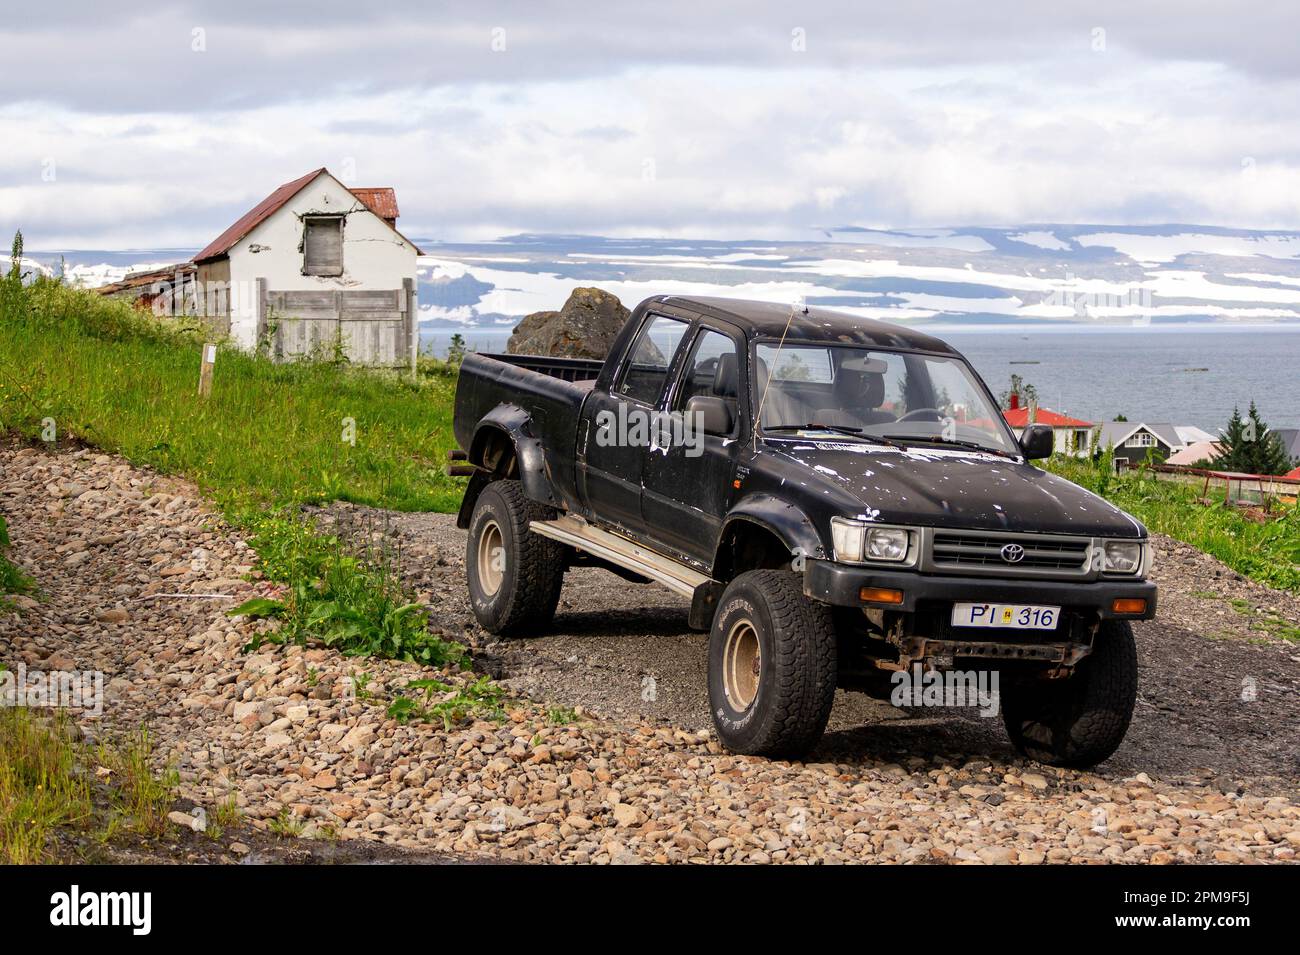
(1036, 441)
(712, 415)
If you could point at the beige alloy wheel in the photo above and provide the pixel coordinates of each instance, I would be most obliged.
(742, 663)
(491, 558)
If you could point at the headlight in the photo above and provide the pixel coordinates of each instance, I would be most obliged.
(1121, 557)
(856, 543)
(886, 543)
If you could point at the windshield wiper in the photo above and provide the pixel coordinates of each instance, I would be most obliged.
(836, 429)
(955, 442)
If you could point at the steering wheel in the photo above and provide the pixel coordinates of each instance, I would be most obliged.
(932, 414)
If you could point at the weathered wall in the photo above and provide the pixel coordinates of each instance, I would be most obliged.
(374, 256)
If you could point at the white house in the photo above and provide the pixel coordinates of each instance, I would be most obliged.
(1069, 435)
(315, 266)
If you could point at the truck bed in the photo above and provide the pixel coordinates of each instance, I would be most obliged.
(549, 391)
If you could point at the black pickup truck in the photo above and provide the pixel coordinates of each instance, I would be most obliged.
(840, 500)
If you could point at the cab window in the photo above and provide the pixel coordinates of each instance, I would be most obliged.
(712, 371)
(652, 353)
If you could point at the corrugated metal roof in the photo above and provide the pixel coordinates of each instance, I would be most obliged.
(140, 279)
(381, 200)
(254, 217)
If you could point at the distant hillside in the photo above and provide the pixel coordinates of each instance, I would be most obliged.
(1029, 273)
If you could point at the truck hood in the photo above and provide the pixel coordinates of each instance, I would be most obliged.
(947, 487)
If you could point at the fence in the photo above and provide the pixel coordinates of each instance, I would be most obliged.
(370, 326)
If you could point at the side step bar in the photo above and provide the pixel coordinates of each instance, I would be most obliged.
(576, 532)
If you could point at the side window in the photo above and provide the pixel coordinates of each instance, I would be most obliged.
(712, 371)
(645, 373)
(322, 245)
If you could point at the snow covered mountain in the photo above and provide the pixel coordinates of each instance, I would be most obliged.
(1021, 274)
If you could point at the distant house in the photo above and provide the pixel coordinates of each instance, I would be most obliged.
(1189, 434)
(1069, 435)
(1195, 453)
(1133, 441)
(315, 266)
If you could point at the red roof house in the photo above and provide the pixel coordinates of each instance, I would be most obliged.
(1072, 435)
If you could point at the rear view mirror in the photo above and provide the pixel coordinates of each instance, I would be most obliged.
(711, 415)
(1036, 441)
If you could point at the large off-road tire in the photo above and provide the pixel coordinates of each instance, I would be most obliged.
(772, 666)
(1079, 721)
(514, 575)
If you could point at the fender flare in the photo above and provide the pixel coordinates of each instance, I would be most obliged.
(514, 424)
(778, 517)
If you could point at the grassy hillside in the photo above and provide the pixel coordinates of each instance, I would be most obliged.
(99, 372)
(1268, 552)
(77, 367)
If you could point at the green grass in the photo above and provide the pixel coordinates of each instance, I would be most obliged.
(61, 798)
(75, 366)
(1267, 552)
(98, 371)
(350, 601)
(12, 580)
(435, 701)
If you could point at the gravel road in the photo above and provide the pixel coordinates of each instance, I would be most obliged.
(624, 651)
(136, 572)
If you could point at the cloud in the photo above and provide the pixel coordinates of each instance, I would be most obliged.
(672, 118)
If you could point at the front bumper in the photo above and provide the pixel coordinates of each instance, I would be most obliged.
(840, 585)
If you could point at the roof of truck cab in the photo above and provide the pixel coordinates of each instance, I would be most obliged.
(809, 323)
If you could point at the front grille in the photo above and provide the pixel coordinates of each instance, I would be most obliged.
(975, 552)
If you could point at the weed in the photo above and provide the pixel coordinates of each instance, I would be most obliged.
(352, 603)
(53, 784)
(286, 825)
(138, 793)
(561, 715)
(481, 699)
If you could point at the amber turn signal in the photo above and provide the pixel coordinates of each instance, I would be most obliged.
(1129, 605)
(880, 595)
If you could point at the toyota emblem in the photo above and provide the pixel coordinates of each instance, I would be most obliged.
(1013, 553)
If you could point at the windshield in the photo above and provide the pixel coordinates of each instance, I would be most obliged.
(903, 397)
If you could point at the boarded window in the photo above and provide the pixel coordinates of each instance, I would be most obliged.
(322, 247)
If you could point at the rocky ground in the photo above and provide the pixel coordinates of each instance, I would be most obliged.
(136, 573)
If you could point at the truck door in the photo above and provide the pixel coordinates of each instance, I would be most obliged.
(614, 437)
(688, 478)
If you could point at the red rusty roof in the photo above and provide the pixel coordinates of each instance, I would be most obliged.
(381, 200)
(255, 216)
(1019, 418)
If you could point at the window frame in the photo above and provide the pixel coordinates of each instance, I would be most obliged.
(620, 380)
(679, 379)
(307, 222)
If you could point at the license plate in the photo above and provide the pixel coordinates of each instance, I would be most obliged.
(1008, 616)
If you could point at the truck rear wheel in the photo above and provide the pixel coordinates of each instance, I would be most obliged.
(1080, 721)
(772, 666)
(514, 575)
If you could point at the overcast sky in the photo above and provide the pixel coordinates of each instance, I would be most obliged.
(698, 119)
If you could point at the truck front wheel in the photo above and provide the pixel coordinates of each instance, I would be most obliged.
(514, 575)
(1079, 721)
(772, 666)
